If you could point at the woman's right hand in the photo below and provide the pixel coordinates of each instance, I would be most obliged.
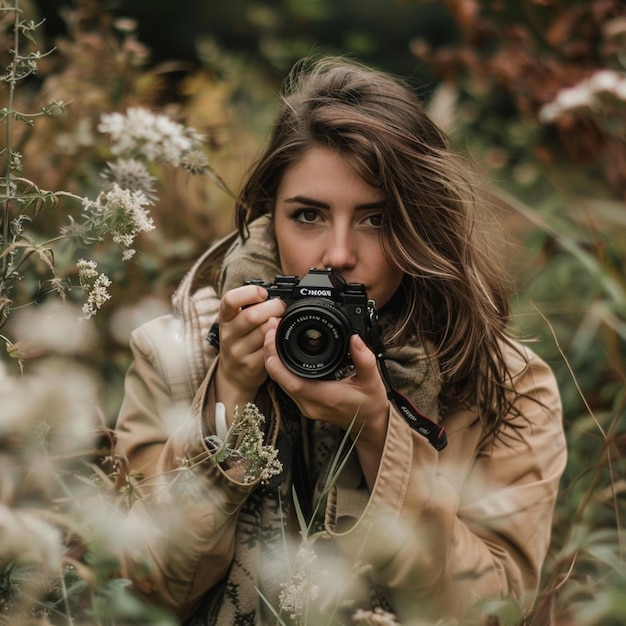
(241, 367)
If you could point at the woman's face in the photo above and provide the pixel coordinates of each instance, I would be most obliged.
(326, 216)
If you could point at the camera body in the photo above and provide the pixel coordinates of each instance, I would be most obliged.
(322, 312)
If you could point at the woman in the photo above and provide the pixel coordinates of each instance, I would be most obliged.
(355, 179)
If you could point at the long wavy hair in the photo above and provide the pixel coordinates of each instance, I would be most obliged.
(454, 296)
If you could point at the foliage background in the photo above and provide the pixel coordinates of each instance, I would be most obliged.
(556, 189)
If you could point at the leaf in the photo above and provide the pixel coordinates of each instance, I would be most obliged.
(338, 463)
(304, 525)
(112, 600)
(610, 285)
(604, 607)
(47, 256)
(20, 117)
(56, 107)
(507, 611)
(337, 467)
(24, 349)
(275, 613)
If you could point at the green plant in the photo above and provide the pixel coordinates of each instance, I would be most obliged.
(536, 94)
(119, 212)
(61, 526)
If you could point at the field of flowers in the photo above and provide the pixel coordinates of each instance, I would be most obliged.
(115, 173)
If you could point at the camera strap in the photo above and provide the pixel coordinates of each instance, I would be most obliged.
(434, 432)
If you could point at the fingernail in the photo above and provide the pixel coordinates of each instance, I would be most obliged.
(359, 344)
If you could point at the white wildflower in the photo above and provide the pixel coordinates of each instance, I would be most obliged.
(52, 327)
(28, 540)
(260, 461)
(115, 124)
(87, 270)
(195, 162)
(620, 90)
(300, 589)
(110, 527)
(155, 136)
(550, 112)
(133, 175)
(94, 286)
(577, 97)
(604, 81)
(125, 24)
(42, 412)
(587, 95)
(377, 617)
(123, 210)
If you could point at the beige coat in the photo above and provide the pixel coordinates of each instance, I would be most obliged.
(441, 530)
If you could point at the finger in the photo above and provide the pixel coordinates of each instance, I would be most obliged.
(269, 344)
(270, 325)
(275, 367)
(234, 300)
(260, 313)
(363, 358)
(243, 348)
(251, 324)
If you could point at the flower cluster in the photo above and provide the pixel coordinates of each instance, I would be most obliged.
(259, 460)
(300, 589)
(131, 174)
(121, 210)
(377, 617)
(153, 136)
(125, 213)
(93, 285)
(586, 95)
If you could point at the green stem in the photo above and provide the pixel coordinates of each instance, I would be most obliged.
(6, 209)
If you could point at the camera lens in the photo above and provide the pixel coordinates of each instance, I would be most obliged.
(312, 338)
(312, 341)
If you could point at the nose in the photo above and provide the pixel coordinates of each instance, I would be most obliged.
(340, 250)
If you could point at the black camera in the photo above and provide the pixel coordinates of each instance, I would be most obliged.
(323, 311)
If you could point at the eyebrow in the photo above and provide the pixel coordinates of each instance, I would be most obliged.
(379, 204)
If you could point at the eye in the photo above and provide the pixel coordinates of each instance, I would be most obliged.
(305, 216)
(375, 220)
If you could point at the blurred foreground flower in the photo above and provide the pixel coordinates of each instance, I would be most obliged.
(52, 409)
(301, 587)
(52, 329)
(28, 540)
(378, 617)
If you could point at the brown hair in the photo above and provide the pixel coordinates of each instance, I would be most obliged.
(454, 296)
